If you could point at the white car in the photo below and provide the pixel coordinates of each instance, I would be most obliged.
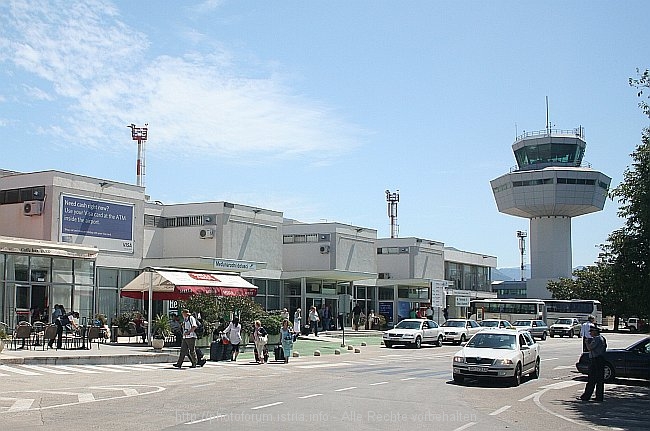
(413, 332)
(498, 354)
(460, 330)
(568, 326)
(496, 323)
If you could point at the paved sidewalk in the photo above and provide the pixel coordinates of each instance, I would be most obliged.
(136, 353)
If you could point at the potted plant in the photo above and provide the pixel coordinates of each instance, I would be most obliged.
(123, 324)
(161, 329)
(3, 337)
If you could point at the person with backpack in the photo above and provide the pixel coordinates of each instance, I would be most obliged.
(68, 320)
(188, 344)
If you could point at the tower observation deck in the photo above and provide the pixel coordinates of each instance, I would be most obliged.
(549, 186)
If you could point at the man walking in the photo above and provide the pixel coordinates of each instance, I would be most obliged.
(188, 344)
(597, 346)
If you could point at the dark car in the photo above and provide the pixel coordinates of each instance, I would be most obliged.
(632, 362)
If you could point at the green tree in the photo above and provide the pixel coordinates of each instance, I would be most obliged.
(641, 82)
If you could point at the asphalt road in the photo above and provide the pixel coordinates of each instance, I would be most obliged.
(377, 389)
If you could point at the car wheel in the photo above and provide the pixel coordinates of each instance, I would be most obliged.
(388, 344)
(535, 373)
(516, 379)
(608, 373)
(458, 379)
(418, 342)
(439, 341)
(552, 335)
(462, 338)
(543, 335)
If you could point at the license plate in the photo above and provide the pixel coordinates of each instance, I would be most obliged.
(478, 369)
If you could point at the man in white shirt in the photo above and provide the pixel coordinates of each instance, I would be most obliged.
(584, 332)
(188, 345)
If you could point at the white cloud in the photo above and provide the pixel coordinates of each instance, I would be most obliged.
(37, 93)
(100, 71)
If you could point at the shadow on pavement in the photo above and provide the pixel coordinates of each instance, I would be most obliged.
(625, 405)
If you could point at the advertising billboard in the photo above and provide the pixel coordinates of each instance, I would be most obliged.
(105, 224)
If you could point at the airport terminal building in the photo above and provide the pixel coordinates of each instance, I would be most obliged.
(77, 241)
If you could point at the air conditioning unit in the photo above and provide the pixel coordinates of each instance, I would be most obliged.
(31, 208)
(324, 249)
(206, 233)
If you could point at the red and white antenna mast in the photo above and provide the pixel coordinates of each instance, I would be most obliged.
(139, 134)
(393, 200)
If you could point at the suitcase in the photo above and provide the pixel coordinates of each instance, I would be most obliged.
(278, 352)
(226, 353)
(216, 351)
(199, 354)
(265, 352)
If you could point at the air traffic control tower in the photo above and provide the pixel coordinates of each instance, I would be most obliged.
(549, 186)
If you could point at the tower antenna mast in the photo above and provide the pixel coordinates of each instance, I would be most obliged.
(139, 134)
(393, 200)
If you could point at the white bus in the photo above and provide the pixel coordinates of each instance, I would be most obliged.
(508, 309)
(578, 308)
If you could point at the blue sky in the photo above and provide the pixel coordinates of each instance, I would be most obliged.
(316, 108)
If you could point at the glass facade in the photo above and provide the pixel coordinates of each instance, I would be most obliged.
(30, 286)
(468, 277)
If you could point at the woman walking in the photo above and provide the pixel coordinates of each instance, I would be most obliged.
(313, 320)
(286, 335)
(260, 337)
(233, 332)
(297, 318)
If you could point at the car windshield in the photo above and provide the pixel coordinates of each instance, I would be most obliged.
(490, 323)
(523, 323)
(408, 324)
(563, 321)
(492, 341)
(454, 323)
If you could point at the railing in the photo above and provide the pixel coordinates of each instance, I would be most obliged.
(579, 132)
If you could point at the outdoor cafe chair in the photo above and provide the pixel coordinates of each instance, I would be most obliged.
(22, 332)
(94, 334)
(49, 334)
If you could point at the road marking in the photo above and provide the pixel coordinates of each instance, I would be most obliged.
(304, 397)
(20, 405)
(77, 370)
(267, 405)
(464, 427)
(498, 411)
(528, 397)
(345, 389)
(549, 359)
(43, 369)
(102, 368)
(538, 402)
(203, 385)
(378, 383)
(564, 367)
(561, 385)
(335, 364)
(19, 371)
(408, 378)
(205, 419)
(86, 397)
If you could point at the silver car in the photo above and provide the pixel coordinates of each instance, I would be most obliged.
(537, 328)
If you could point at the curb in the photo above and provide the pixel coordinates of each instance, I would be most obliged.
(146, 358)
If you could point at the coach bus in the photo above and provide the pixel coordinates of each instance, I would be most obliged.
(578, 308)
(508, 309)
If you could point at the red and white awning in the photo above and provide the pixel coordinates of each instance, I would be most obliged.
(180, 284)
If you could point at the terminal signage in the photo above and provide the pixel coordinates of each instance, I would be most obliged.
(105, 224)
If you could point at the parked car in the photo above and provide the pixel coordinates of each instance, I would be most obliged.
(568, 326)
(537, 328)
(496, 323)
(460, 330)
(632, 324)
(632, 362)
(413, 332)
(498, 354)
